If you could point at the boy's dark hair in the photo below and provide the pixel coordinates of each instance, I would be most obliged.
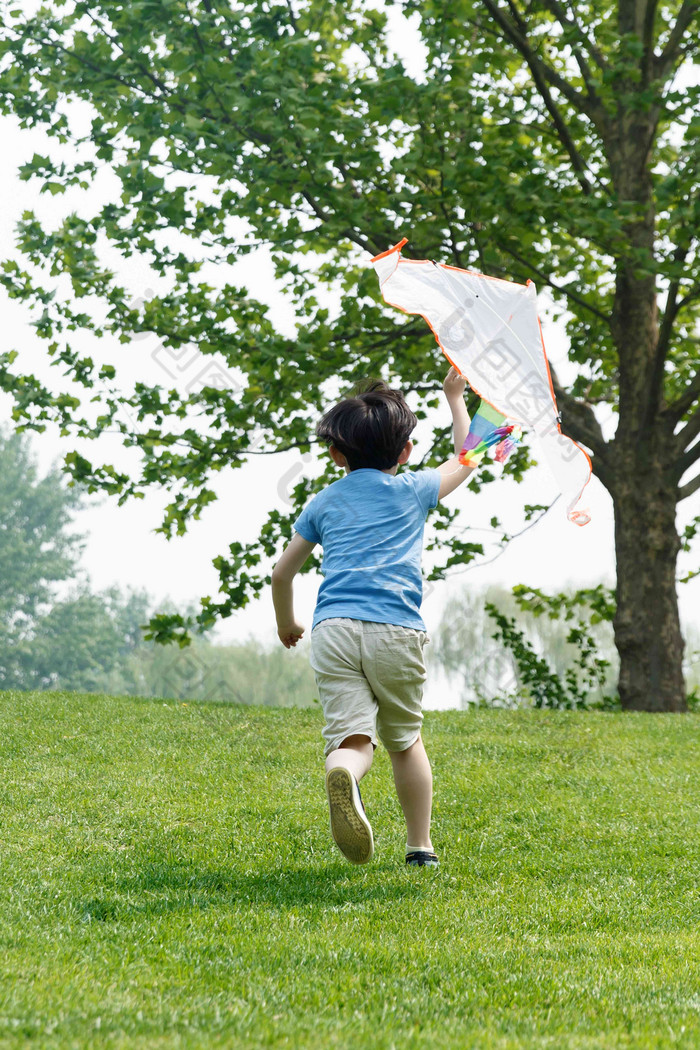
(371, 427)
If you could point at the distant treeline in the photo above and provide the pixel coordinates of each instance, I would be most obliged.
(245, 673)
(57, 633)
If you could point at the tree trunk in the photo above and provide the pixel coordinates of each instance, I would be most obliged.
(647, 625)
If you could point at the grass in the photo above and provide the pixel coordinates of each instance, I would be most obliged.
(168, 880)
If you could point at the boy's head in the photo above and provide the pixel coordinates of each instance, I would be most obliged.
(371, 428)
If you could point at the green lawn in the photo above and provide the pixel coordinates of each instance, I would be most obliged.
(168, 880)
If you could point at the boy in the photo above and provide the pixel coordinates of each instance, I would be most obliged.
(367, 634)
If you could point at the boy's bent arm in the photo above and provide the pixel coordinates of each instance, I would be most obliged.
(452, 472)
(293, 557)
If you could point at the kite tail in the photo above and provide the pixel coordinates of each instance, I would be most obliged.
(487, 428)
(506, 446)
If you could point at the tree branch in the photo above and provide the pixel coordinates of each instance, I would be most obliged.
(689, 489)
(579, 418)
(672, 307)
(574, 296)
(648, 39)
(371, 246)
(664, 62)
(692, 295)
(669, 316)
(687, 436)
(579, 422)
(592, 48)
(542, 73)
(690, 457)
(565, 19)
(671, 311)
(517, 37)
(688, 398)
(506, 540)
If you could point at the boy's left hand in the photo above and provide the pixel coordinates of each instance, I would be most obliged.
(454, 385)
(290, 634)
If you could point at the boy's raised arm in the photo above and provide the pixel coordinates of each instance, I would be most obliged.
(452, 472)
(293, 557)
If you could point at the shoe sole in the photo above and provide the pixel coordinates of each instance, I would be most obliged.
(351, 831)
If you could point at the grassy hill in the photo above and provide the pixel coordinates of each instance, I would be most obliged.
(168, 880)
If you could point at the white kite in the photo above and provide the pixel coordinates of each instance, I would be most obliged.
(489, 331)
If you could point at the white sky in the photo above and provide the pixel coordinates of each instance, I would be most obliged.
(121, 545)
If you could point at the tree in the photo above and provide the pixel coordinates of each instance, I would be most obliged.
(93, 642)
(47, 641)
(36, 551)
(483, 669)
(84, 639)
(241, 673)
(546, 140)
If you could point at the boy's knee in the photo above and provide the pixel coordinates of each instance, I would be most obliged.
(398, 753)
(357, 740)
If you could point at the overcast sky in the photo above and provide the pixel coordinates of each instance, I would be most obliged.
(121, 545)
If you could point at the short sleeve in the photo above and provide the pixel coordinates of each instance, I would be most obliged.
(426, 484)
(305, 524)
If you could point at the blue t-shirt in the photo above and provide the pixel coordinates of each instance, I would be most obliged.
(370, 525)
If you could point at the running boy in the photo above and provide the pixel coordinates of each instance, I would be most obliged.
(367, 635)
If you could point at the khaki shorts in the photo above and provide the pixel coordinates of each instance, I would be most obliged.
(370, 679)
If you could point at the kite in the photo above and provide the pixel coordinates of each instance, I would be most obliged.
(489, 331)
(487, 427)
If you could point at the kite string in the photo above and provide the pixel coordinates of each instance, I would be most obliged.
(506, 544)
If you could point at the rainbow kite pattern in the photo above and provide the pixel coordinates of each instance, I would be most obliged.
(488, 427)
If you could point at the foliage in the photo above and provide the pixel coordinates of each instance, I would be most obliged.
(569, 605)
(540, 685)
(687, 536)
(82, 638)
(54, 631)
(244, 673)
(169, 880)
(692, 665)
(91, 642)
(566, 659)
(541, 141)
(46, 639)
(36, 549)
(580, 610)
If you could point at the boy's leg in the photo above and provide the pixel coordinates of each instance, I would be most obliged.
(350, 710)
(355, 753)
(349, 825)
(396, 672)
(414, 786)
